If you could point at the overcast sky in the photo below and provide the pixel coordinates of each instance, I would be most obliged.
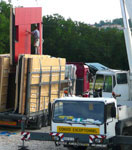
(88, 11)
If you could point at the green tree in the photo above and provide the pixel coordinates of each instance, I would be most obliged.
(75, 41)
(4, 27)
(78, 41)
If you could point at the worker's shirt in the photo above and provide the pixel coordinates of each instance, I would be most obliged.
(36, 34)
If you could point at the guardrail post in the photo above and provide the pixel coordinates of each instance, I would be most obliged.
(23, 147)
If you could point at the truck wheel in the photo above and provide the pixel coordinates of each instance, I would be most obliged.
(124, 147)
(45, 121)
(82, 148)
(77, 148)
(118, 147)
(39, 123)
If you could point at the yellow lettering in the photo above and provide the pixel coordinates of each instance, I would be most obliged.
(80, 130)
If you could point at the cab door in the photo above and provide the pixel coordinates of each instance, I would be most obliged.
(122, 86)
(107, 87)
(110, 121)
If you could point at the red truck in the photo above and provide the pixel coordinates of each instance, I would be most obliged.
(82, 78)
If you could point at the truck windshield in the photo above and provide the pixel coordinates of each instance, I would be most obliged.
(78, 112)
(104, 83)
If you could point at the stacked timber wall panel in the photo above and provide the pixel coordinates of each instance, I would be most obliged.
(29, 86)
(38, 82)
(4, 74)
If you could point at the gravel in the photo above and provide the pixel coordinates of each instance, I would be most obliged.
(10, 139)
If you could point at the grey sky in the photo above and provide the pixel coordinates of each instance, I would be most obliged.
(88, 11)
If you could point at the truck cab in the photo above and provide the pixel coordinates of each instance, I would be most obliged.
(112, 82)
(84, 120)
(82, 78)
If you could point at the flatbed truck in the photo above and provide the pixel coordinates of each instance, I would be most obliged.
(40, 87)
(41, 117)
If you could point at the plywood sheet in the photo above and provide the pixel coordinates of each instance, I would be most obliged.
(23, 86)
(18, 82)
(4, 73)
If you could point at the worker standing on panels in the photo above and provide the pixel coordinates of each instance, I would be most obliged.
(36, 36)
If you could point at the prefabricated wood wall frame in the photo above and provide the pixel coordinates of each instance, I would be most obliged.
(4, 74)
(21, 20)
(33, 71)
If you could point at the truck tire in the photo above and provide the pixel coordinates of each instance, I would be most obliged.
(45, 121)
(39, 123)
(77, 148)
(123, 147)
(117, 147)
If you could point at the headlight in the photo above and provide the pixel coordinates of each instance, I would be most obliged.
(55, 138)
(98, 140)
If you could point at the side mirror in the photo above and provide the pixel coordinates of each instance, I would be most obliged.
(97, 93)
(113, 111)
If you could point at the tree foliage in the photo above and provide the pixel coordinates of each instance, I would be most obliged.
(75, 41)
(4, 27)
(80, 42)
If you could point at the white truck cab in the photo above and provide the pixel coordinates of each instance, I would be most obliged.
(92, 117)
(112, 81)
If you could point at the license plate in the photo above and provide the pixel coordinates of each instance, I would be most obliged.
(71, 139)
